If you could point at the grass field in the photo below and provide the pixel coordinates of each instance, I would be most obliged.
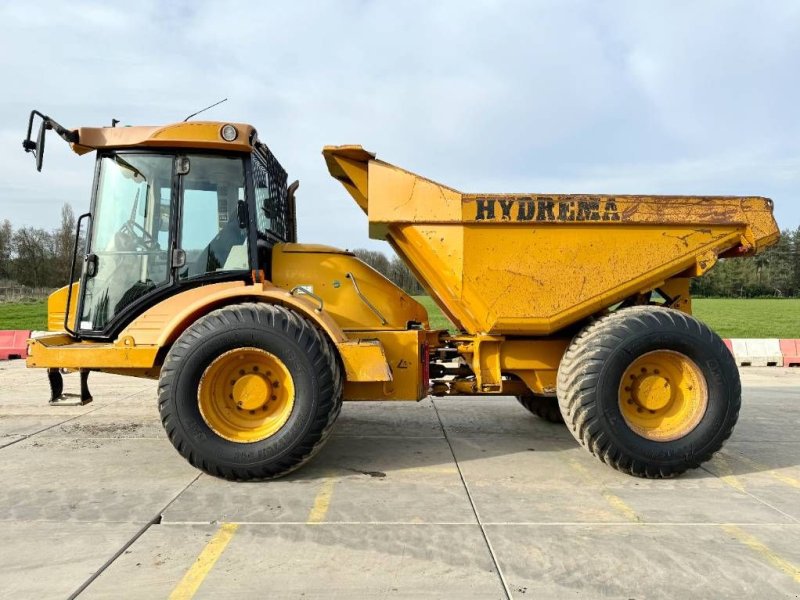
(23, 315)
(728, 317)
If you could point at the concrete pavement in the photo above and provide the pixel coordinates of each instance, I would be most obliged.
(447, 498)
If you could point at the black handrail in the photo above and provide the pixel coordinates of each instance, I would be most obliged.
(72, 275)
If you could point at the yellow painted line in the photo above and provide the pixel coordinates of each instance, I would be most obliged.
(579, 467)
(322, 502)
(621, 506)
(727, 473)
(775, 473)
(188, 586)
(615, 501)
(764, 551)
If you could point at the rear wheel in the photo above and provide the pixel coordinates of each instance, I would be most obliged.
(250, 391)
(544, 407)
(650, 391)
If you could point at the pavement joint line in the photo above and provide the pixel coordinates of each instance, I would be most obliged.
(463, 524)
(763, 550)
(154, 521)
(390, 437)
(83, 414)
(739, 440)
(426, 523)
(187, 587)
(492, 554)
(743, 490)
(322, 501)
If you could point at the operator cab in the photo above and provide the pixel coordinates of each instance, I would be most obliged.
(171, 208)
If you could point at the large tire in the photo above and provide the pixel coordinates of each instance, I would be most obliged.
(612, 422)
(544, 407)
(260, 329)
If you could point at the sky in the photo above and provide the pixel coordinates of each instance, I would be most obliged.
(530, 97)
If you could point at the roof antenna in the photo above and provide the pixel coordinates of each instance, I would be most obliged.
(205, 109)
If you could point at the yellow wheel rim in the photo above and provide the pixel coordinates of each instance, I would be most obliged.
(246, 395)
(663, 395)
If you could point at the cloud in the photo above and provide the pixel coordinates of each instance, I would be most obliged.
(671, 97)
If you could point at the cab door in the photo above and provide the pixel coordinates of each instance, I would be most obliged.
(129, 241)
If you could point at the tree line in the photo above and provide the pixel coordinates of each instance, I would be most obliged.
(38, 258)
(393, 269)
(773, 273)
(35, 257)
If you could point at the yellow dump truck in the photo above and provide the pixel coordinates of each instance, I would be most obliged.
(578, 305)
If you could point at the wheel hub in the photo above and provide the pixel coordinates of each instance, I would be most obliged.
(250, 392)
(246, 395)
(652, 392)
(663, 395)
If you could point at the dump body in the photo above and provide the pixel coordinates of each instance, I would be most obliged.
(531, 264)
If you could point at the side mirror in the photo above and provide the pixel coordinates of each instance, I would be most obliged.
(39, 152)
(37, 147)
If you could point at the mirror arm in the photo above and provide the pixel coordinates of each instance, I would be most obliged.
(67, 135)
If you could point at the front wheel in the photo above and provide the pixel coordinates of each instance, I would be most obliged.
(650, 391)
(250, 391)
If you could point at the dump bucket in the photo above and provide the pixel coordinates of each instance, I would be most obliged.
(531, 264)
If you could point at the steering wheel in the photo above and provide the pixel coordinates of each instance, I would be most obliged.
(139, 235)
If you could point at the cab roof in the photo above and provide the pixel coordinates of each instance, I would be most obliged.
(190, 134)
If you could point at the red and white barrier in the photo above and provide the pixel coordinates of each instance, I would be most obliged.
(757, 352)
(13, 344)
(790, 349)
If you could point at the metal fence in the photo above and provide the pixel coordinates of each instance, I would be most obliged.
(19, 293)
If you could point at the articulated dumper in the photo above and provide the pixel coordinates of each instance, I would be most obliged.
(578, 305)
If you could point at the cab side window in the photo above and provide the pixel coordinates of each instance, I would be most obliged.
(210, 232)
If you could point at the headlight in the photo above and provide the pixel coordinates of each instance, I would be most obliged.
(228, 133)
